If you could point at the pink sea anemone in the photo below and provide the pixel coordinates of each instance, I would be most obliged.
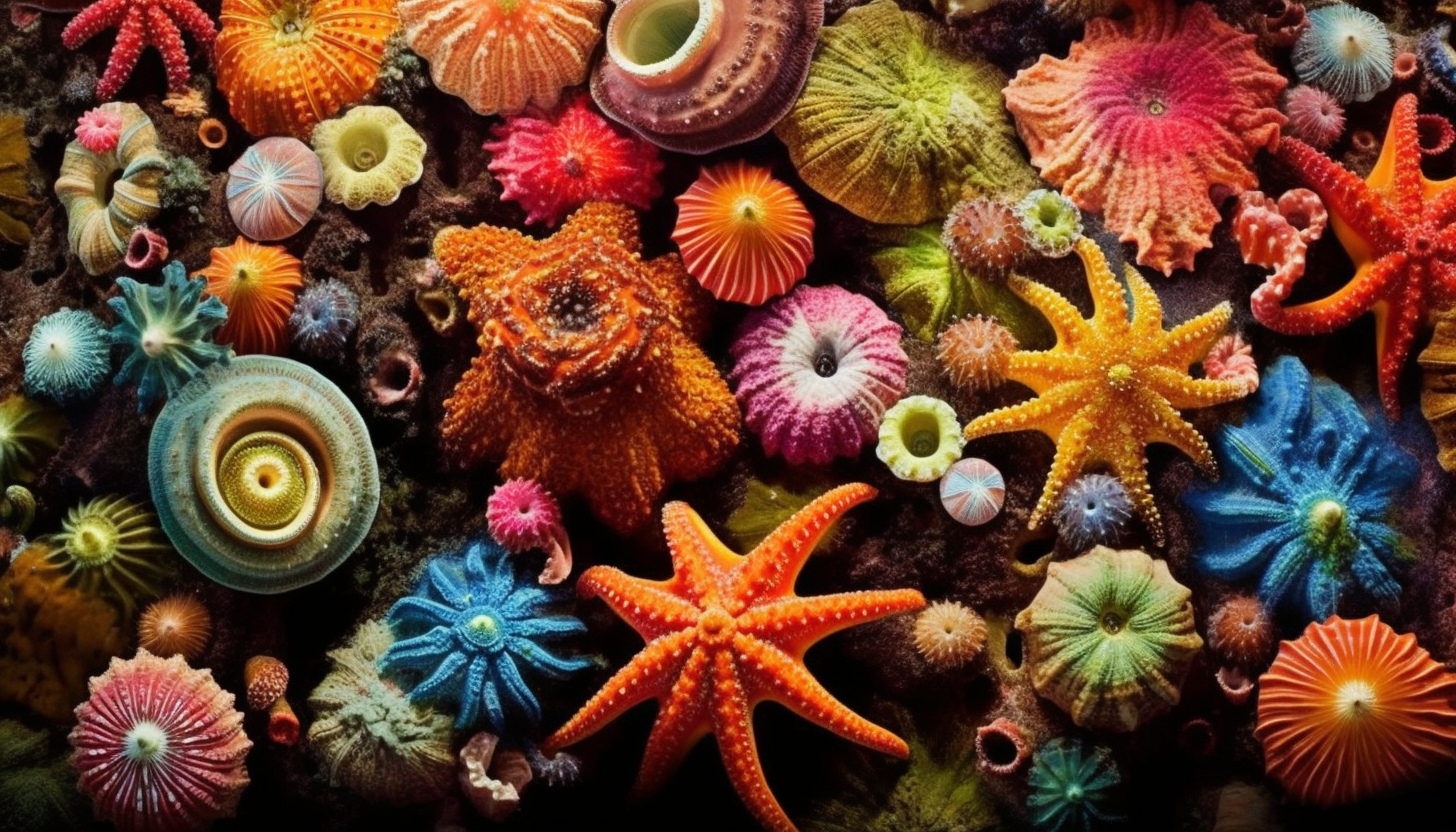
(1315, 116)
(521, 514)
(146, 249)
(99, 129)
(159, 746)
(815, 371)
(554, 163)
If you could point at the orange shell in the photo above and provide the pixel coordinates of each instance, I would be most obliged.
(1350, 710)
(744, 235)
(286, 65)
(257, 283)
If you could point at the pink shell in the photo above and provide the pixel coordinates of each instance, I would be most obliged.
(973, 491)
(274, 188)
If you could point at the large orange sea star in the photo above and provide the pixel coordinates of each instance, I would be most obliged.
(725, 633)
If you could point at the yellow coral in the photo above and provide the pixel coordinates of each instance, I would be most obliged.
(369, 156)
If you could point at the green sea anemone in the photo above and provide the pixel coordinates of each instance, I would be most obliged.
(920, 438)
(263, 474)
(1109, 638)
(369, 155)
(1072, 788)
(168, 330)
(29, 432)
(112, 546)
(1050, 221)
(896, 125)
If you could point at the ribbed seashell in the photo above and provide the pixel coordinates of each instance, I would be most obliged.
(275, 188)
(972, 491)
(1438, 388)
(263, 474)
(99, 230)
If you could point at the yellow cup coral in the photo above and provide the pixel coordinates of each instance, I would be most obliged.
(920, 438)
(369, 155)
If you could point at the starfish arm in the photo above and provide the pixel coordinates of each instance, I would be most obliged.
(447, 585)
(772, 567)
(1340, 309)
(1044, 370)
(1066, 322)
(1344, 193)
(773, 674)
(194, 20)
(1048, 413)
(795, 624)
(444, 682)
(1147, 310)
(681, 721)
(516, 689)
(543, 660)
(733, 727)
(647, 676)
(417, 651)
(700, 562)
(124, 56)
(1129, 463)
(165, 35)
(1400, 157)
(1073, 449)
(1109, 301)
(648, 606)
(1396, 328)
(434, 612)
(1191, 340)
(1183, 392)
(1440, 211)
(550, 626)
(93, 20)
(1169, 427)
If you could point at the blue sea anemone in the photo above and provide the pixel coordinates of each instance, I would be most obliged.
(168, 330)
(1094, 509)
(324, 316)
(469, 628)
(67, 357)
(1345, 51)
(1071, 787)
(1438, 59)
(1304, 504)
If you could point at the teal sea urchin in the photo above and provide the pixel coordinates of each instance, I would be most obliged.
(263, 474)
(66, 357)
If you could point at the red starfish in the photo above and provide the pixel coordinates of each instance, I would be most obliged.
(140, 23)
(1397, 228)
(725, 633)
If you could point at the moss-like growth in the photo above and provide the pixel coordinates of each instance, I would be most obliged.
(37, 784)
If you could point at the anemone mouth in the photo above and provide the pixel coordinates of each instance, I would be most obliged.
(1113, 620)
(290, 25)
(662, 41)
(269, 486)
(93, 542)
(482, 628)
(364, 146)
(826, 359)
(146, 742)
(920, 434)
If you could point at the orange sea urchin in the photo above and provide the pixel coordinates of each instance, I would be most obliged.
(178, 625)
(286, 65)
(1350, 710)
(744, 235)
(501, 55)
(257, 283)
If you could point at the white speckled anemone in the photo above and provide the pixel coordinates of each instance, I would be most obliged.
(263, 474)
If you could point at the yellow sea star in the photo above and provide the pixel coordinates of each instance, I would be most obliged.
(1113, 384)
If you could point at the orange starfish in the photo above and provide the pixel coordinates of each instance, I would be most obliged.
(1113, 384)
(725, 633)
(589, 379)
(1397, 226)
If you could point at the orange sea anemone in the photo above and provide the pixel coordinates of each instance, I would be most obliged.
(744, 235)
(1350, 710)
(178, 625)
(257, 283)
(286, 65)
(501, 55)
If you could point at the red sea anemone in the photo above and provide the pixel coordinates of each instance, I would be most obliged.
(553, 164)
(1350, 710)
(159, 746)
(744, 235)
(1145, 116)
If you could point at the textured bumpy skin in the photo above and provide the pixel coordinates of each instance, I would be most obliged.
(724, 633)
(1110, 637)
(1350, 710)
(1113, 384)
(1144, 116)
(139, 24)
(589, 377)
(1399, 229)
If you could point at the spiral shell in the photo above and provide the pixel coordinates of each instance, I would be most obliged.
(274, 188)
(263, 474)
(100, 228)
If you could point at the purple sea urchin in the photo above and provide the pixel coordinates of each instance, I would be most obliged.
(324, 317)
(1094, 509)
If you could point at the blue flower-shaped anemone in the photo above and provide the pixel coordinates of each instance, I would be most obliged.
(467, 631)
(1304, 504)
(1071, 788)
(168, 330)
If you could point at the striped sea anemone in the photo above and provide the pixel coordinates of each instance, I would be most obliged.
(974, 352)
(984, 235)
(257, 283)
(501, 55)
(1241, 632)
(1315, 117)
(972, 491)
(159, 746)
(286, 65)
(1350, 710)
(1094, 509)
(178, 625)
(744, 235)
(113, 546)
(67, 357)
(949, 634)
(274, 188)
(1345, 51)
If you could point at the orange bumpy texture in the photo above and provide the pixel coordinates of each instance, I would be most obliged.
(286, 65)
(589, 379)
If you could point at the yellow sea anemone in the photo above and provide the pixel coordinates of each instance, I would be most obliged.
(920, 438)
(369, 155)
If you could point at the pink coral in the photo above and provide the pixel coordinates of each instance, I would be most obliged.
(521, 515)
(1315, 116)
(553, 164)
(1145, 117)
(815, 371)
(139, 24)
(1231, 358)
(1276, 235)
(159, 746)
(98, 129)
